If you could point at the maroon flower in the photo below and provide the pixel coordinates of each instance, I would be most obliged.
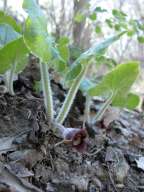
(76, 137)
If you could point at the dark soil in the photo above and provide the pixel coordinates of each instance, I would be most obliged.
(32, 162)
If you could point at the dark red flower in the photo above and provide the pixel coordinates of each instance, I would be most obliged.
(76, 137)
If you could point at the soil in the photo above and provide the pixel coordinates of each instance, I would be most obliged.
(30, 160)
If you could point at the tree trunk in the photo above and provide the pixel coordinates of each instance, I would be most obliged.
(81, 33)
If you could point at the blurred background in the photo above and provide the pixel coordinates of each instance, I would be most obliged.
(86, 21)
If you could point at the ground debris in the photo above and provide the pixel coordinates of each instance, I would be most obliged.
(30, 162)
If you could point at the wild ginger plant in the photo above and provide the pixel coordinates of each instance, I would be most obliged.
(78, 72)
(36, 39)
(41, 44)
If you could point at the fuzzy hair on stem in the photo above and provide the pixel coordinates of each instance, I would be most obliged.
(70, 97)
(9, 78)
(104, 107)
(47, 92)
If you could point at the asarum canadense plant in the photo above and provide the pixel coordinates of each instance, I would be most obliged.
(15, 45)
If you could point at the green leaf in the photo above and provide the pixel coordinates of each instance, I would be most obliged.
(7, 35)
(63, 40)
(117, 82)
(109, 23)
(14, 51)
(141, 39)
(98, 29)
(93, 16)
(59, 66)
(130, 33)
(85, 85)
(99, 48)
(131, 101)
(64, 52)
(100, 10)
(119, 14)
(22, 55)
(134, 24)
(61, 55)
(105, 60)
(141, 26)
(117, 27)
(35, 34)
(96, 50)
(9, 20)
(63, 48)
(75, 52)
(74, 72)
(79, 17)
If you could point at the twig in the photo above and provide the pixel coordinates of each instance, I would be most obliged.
(95, 153)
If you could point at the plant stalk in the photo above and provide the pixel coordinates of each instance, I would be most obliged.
(47, 92)
(9, 78)
(104, 107)
(70, 97)
(87, 110)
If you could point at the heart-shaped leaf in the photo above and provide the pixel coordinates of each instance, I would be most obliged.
(35, 34)
(95, 50)
(131, 101)
(7, 35)
(63, 48)
(61, 56)
(4, 18)
(85, 85)
(14, 51)
(118, 83)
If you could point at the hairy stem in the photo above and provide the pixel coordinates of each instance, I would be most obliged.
(47, 92)
(9, 78)
(104, 107)
(87, 110)
(70, 97)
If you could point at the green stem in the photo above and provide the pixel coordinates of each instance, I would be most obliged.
(70, 97)
(87, 110)
(47, 92)
(9, 78)
(104, 107)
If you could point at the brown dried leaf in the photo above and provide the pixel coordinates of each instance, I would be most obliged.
(27, 157)
(10, 179)
(6, 144)
(19, 170)
(111, 115)
(119, 165)
(140, 163)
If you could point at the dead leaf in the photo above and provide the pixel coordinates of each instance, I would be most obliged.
(20, 170)
(140, 163)
(119, 165)
(81, 182)
(111, 115)
(6, 188)
(6, 144)
(28, 157)
(17, 184)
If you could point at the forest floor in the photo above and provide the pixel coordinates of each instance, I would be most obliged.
(31, 162)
